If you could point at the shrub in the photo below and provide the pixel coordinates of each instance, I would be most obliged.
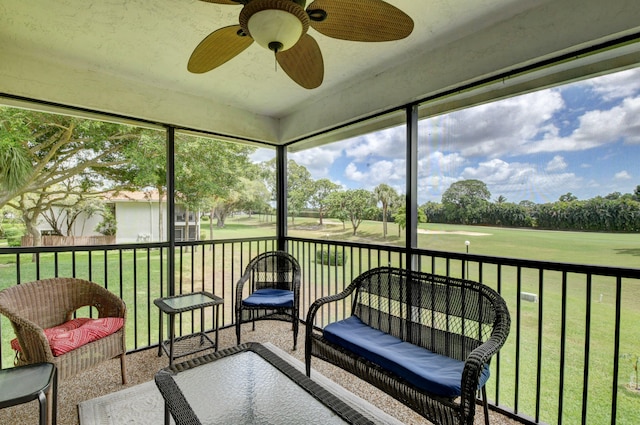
(13, 235)
(108, 226)
(335, 257)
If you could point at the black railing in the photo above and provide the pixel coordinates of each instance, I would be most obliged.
(571, 324)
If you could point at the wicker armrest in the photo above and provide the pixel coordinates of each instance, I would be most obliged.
(108, 304)
(482, 354)
(315, 306)
(240, 288)
(32, 339)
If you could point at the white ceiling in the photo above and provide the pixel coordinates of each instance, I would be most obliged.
(129, 57)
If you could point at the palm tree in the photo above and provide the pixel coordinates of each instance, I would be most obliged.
(15, 166)
(386, 195)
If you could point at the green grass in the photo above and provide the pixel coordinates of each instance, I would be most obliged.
(621, 250)
(608, 249)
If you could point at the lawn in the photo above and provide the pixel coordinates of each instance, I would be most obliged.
(621, 250)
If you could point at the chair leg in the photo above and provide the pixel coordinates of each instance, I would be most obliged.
(295, 334)
(123, 367)
(485, 405)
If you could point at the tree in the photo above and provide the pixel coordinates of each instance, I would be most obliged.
(354, 204)
(400, 217)
(568, 197)
(300, 185)
(148, 166)
(15, 165)
(434, 211)
(386, 195)
(254, 196)
(108, 226)
(222, 208)
(250, 195)
(465, 201)
(40, 153)
(63, 217)
(321, 190)
(335, 206)
(208, 171)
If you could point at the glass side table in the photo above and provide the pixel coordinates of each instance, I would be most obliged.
(192, 343)
(23, 384)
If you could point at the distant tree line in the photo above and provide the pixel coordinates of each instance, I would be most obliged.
(468, 202)
(57, 167)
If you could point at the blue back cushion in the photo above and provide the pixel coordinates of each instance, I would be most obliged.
(426, 370)
(269, 298)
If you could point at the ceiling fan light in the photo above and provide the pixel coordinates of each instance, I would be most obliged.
(271, 26)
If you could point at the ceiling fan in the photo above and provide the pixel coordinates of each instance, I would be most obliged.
(281, 26)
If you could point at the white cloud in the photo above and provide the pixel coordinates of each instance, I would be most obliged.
(617, 85)
(439, 163)
(497, 171)
(318, 160)
(262, 155)
(370, 175)
(351, 172)
(479, 142)
(622, 175)
(495, 129)
(595, 128)
(388, 144)
(556, 164)
(516, 181)
(431, 188)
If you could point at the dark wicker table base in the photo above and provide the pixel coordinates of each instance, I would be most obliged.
(250, 392)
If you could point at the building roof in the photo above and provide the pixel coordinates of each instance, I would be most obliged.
(138, 196)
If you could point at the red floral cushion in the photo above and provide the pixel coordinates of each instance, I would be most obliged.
(77, 332)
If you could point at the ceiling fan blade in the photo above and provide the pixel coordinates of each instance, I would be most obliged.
(303, 62)
(222, 1)
(359, 20)
(217, 48)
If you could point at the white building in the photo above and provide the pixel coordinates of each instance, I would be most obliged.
(140, 217)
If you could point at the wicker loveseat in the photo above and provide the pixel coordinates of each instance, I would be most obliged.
(426, 340)
(49, 304)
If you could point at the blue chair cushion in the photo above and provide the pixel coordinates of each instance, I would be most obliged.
(269, 298)
(431, 372)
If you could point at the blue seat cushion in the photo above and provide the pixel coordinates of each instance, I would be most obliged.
(431, 372)
(269, 298)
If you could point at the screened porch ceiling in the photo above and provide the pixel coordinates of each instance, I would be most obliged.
(129, 57)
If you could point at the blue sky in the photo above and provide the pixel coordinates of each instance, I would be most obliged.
(582, 138)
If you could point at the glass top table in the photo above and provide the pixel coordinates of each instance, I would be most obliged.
(249, 384)
(193, 343)
(26, 383)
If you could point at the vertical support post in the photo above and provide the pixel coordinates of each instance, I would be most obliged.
(281, 197)
(171, 210)
(412, 186)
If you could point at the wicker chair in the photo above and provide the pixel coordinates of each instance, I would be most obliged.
(32, 307)
(273, 281)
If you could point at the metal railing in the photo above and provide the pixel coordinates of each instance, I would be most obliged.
(571, 324)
